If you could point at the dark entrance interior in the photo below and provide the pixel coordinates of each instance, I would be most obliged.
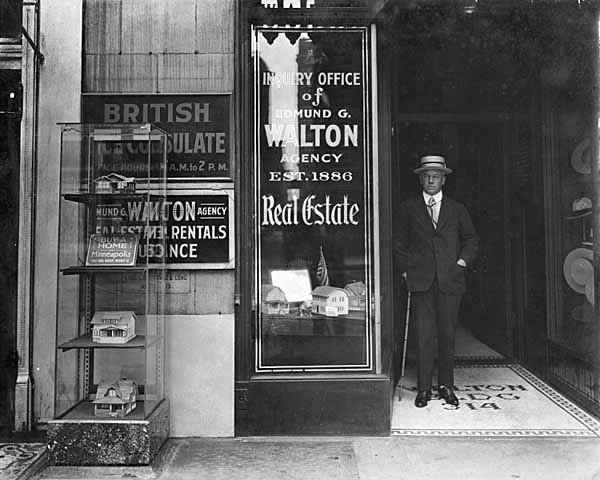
(468, 81)
(476, 149)
(10, 121)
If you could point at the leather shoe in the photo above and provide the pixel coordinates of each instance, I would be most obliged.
(448, 395)
(423, 396)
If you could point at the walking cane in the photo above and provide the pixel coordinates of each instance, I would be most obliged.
(404, 348)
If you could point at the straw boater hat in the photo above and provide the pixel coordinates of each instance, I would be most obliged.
(432, 162)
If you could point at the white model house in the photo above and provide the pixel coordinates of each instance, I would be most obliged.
(113, 327)
(115, 183)
(330, 301)
(115, 399)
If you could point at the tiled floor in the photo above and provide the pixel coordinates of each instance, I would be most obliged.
(468, 347)
(496, 400)
(501, 400)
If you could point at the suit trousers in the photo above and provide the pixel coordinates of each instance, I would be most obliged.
(435, 312)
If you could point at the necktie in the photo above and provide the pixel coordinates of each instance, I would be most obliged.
(432, 213)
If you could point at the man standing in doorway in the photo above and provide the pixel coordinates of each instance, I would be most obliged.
(435, 242)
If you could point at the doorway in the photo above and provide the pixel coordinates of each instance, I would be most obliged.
(475, 146)
(10, 118)
(505, 91)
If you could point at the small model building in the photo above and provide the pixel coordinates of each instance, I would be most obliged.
(115, 399)
(113, 327)
(274, 301)
(357, 299)
(330, 301)
(115, 183)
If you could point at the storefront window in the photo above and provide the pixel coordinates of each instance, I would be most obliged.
(312, 199)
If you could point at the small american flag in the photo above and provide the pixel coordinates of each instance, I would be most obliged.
(322, 274)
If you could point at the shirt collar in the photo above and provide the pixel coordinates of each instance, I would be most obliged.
(437, 197)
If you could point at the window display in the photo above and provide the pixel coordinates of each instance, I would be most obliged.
(577, 330)
(570, 120)
(314, 277)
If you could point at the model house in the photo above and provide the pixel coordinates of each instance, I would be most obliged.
(330, 301)
(114, 183)
(274, 301)
(113, 327)
(357, 298)
(115, 399)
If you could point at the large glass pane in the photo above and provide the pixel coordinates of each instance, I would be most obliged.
(314, 279)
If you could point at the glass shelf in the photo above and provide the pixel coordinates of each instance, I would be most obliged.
(92, 198)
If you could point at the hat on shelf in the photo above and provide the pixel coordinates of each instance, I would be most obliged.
(581, 207)
(432, 162)
(578, 269)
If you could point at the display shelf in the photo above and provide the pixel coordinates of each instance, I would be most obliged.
(92, 198)
(85, 341)
(84, 411)
(351, 324)
(120, 269)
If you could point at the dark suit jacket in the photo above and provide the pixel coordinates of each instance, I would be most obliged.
(426, 253)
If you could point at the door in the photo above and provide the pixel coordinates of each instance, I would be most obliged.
(475, 148)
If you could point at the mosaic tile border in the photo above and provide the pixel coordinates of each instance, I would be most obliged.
(495, 364)
(580, 415)
(18, 458)
(494, 433)
(484, 360)
(591, 430)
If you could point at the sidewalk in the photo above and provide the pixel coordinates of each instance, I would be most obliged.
(361, 458)
(510, 425)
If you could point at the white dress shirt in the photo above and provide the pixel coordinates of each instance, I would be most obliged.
(436, 206)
